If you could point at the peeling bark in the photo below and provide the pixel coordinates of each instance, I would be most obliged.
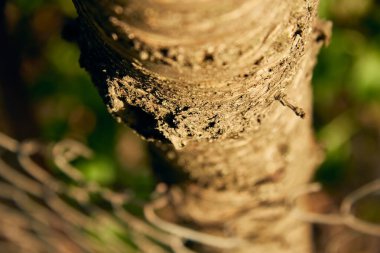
(222, 88)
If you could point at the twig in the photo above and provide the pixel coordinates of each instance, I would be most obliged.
(346, 216)
(347, 205)
(281, 97)
(186, 233)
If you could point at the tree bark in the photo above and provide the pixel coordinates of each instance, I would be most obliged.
(222, 88)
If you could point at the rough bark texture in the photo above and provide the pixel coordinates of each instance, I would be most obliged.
(223, 90)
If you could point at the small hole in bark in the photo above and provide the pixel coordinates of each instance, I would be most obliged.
(208, 58)
(164, 51)
(297, 32)
(258, 61)
(210, 125)
(170, 120)
(321, 37)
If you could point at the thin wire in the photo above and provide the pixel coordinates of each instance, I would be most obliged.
(311, 217)
(40, 206)
(187, 233)
(346, 215)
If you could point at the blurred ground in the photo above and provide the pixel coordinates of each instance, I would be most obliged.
(46, 95)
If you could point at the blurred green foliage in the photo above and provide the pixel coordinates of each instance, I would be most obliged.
(347, 94)
(65, 101)
(28, 7)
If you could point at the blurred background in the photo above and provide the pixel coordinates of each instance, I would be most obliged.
(45, 95)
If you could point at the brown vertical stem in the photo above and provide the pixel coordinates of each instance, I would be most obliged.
(217, 85)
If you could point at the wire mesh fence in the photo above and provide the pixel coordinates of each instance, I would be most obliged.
(46, 205)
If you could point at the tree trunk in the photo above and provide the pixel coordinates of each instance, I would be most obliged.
(222, 88)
